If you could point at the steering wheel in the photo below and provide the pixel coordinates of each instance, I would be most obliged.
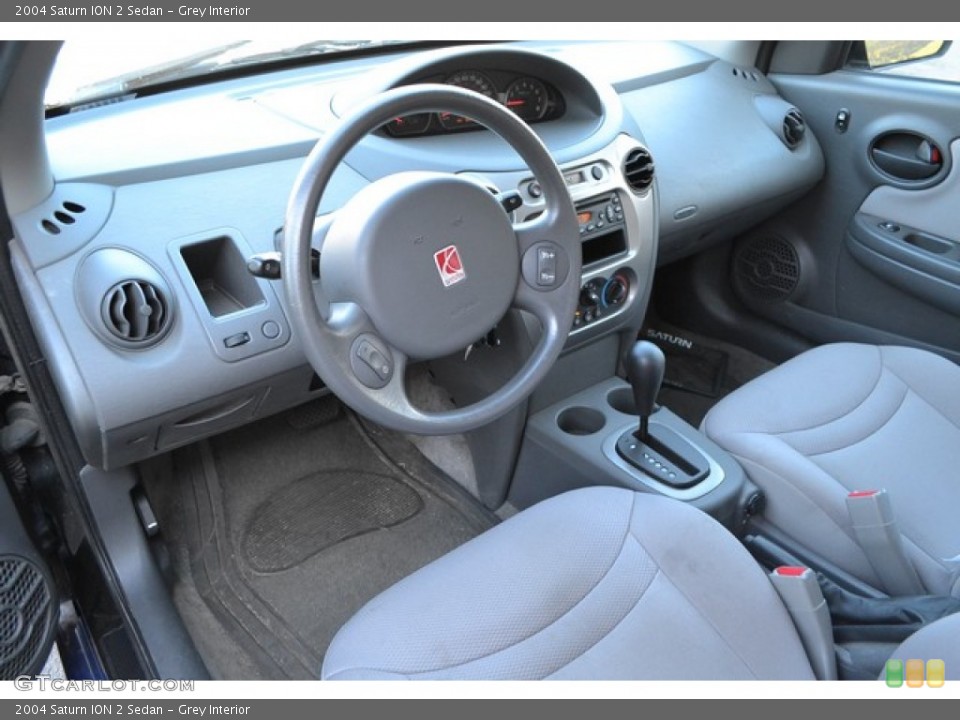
(418, 265)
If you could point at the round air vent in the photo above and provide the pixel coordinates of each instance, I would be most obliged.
(136, 312)
(638, 169)
(766, 268)
(124, 298)
(26, 617)
(794, 128)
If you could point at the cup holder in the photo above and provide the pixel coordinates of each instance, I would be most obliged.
(621, 400)
(581, 421)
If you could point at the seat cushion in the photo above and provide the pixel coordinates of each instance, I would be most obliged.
(599, 583)
(849, 417)
(939, 640)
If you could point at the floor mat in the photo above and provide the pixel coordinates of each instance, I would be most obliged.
(282, 530)
(700, 370)
(691, 365)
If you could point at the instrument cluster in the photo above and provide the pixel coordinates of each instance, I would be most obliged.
(530, 98)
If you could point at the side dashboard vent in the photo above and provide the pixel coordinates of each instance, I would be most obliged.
(794, 128)
(745, 74)
(136, 312)
(638, 169)
(62, 217)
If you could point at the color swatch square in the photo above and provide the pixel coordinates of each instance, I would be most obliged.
(936, 673)
(914, 673)
(894, 673)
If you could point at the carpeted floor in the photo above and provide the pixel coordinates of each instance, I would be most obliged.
(279, 531)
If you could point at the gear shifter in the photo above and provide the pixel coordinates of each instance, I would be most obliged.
(645, 364)
(659, 452)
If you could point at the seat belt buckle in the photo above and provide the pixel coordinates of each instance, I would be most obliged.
(877, 533)
(800, 592)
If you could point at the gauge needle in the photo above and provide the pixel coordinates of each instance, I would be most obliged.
(516, 103)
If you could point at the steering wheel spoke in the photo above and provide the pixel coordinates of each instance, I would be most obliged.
(541, 228)
(346, 321)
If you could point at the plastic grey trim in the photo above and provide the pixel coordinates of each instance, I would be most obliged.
(74, 394)
(44, 248)
(25, 168)
(842, 300)
(146, 595)
(248, 320)
(715, 131)
(934, 210)
(713, 479)
(591, 452)
(931, 277)
(641, 230)
(593, 118)
(417, 68)
(116, 400)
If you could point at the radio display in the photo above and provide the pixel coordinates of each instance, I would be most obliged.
(584, 216)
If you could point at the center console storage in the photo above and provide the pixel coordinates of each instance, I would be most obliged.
(574, 443)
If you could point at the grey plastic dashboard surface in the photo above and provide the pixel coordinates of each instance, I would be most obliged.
(219, 160)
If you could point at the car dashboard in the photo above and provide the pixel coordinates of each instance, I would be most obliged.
(160, 201)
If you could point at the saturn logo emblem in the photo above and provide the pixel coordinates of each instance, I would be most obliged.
(449, 265)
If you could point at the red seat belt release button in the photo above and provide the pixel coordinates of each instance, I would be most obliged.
(800, 592)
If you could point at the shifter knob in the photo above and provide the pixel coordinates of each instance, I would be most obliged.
(645, 364)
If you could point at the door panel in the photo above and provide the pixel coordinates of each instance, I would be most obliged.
(877, 243)
(28, 601)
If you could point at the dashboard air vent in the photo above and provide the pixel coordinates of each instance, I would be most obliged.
(65, 215)
(794, 128)
(638, 169)
(136, 312)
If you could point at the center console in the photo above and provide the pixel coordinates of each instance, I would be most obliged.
(612, 433)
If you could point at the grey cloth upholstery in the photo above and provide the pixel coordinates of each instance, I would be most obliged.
(939, 640)
(599, 583)
(854, 417)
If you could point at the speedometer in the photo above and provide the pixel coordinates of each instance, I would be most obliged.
(471, 80)
(527, 97)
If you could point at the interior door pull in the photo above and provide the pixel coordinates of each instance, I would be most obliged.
(906, 156)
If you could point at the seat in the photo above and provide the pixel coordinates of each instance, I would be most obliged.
(848, 417)
(939, 640)
(598, 583)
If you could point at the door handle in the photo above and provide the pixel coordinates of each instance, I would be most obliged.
(904, 168)
(906, 156)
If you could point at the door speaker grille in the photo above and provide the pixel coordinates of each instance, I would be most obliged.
(26, 617)
(766, 268)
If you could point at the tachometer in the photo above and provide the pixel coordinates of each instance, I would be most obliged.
(527, 97)
(471, 80)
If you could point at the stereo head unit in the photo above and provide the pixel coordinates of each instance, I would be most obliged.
(602, 229)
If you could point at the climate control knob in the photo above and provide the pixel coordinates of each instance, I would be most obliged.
(615, 291)
(590, 297)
